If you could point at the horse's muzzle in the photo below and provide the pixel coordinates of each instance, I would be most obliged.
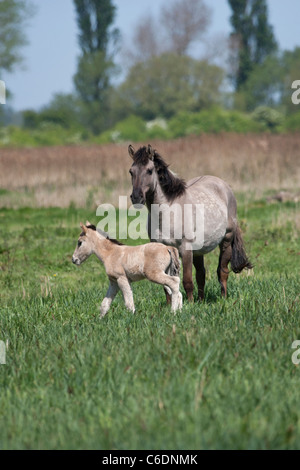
(137, 199)
(75, 261)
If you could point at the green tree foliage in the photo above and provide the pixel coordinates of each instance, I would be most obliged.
(290, 65)
(167, 84)
(63, 110)
(252, 38)
(269, 83)
(264, 84)
(13, 17)
(95, 65)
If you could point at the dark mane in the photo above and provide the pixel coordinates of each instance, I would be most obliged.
(141, 157)
(112, 240)
(171, 185)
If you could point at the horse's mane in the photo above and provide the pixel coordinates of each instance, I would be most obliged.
(105, 234)
(172, 185)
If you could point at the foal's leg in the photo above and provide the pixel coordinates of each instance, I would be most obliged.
(168, 297)
(110, 295)
(187, 268)
(171, 282)
(125, 287)
(224, 258)
(200, 275)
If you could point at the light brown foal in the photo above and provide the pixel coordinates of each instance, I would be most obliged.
(126, 264)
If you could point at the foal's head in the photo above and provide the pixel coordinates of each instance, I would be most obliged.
(148, 170)
(85, 243)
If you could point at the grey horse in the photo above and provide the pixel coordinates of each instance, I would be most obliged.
(169, 197)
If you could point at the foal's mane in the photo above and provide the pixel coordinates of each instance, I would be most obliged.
(172, 185)
(112, 240)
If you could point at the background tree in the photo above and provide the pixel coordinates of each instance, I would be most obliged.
(63, 110)
(180, 24)
(167, 84)
(97, 39)
(252, 38)
(13, 18)
(184, 22)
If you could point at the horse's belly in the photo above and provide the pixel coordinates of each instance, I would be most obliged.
(212, 240)
(209, 228)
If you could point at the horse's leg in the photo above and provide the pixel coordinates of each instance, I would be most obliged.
(125, 287)
(200, 275)
(168, 297)
(224, 258)
(110, 295)
(187, 269)
(172, 284)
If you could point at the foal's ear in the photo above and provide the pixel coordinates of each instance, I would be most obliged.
(88, 223)
(131, 151)
(84, 229)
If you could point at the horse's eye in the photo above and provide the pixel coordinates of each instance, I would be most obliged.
(130, 172)
(149, 172)
(79, 244)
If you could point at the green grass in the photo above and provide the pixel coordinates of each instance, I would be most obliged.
(218, 375)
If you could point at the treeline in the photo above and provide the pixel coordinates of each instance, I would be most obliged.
(168, 90)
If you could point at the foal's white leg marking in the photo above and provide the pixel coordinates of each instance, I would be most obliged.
(175, 302)
(179, 300)
(171, 284)
(110, 295)
(168, 290)
(124, 285)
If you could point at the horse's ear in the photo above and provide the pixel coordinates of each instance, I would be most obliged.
(83, 227)
(88, 223)
(151, 152)
(131, 151)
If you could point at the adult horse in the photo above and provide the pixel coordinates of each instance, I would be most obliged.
(157, 187)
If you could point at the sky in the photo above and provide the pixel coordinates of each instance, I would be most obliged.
(50, 58)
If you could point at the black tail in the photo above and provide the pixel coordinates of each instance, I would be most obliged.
(239, 259)
(174, 266)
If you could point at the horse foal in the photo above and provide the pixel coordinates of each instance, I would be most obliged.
(125, 264)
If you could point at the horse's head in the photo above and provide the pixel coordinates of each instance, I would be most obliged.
(142, 172)
(150, 170)
(85, 246)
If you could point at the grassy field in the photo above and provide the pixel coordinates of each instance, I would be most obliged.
(218, 375)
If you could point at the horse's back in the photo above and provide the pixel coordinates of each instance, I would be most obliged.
(219, 206)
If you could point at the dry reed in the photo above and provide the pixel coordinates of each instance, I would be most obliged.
(90, 175)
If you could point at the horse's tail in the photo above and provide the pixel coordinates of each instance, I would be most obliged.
(239, 259)
(174, 266)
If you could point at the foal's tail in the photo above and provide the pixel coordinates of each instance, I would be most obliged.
(174, 266)
(239, 259)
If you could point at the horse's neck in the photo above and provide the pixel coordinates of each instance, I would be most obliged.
(103, 248)
(156, 197)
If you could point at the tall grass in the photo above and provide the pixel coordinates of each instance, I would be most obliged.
(86, 176)
(218, 375)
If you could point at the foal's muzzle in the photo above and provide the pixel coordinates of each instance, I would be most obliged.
(75, 261)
